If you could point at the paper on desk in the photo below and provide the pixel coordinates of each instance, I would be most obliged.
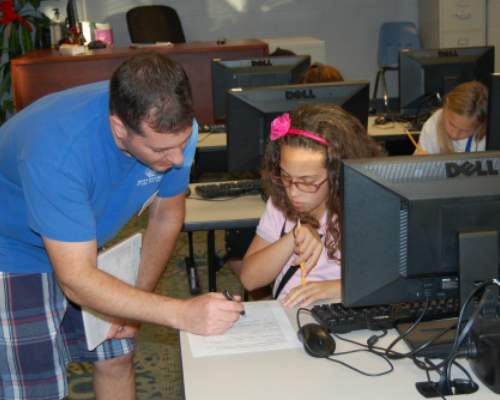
(156, 44)
(121, 261)
(265, 327)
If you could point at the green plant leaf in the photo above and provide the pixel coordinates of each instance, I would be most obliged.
(16, 40)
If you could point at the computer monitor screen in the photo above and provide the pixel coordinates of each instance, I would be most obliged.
(493, 127)
(265, 71)
(425, 76)
(415, 227)
(250, 112)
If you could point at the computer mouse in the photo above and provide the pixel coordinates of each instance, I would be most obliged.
(317, 340)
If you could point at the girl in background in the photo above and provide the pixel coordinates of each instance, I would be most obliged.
(300, 226)
(460, 125)
(320, 73)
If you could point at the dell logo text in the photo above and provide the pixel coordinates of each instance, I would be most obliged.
(299, 94)
(264, 63)
(468, 168)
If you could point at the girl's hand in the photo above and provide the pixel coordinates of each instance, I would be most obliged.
(312, 291)
(308, 246)
(419, 151)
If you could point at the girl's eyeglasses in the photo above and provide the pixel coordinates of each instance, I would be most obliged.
(306, 187)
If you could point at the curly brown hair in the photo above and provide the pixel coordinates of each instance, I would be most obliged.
(346, 137)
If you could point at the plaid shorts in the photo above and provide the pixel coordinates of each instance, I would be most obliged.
(41, 332)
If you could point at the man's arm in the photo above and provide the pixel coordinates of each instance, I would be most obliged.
(75, 266)
(166, 217)
(82, 282)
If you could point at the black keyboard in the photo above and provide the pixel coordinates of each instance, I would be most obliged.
(340, 319)
(229, 189)
(213, 128)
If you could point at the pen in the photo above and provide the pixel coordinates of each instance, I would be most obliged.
(302, 266)
(230, 297)
(412, 139)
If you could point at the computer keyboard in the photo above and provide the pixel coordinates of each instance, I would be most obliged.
(229, 189)
(212, 128)
(340, 319)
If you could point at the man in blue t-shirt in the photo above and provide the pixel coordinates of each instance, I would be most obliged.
(75, 166)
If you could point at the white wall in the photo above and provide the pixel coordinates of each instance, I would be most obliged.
(349, 27)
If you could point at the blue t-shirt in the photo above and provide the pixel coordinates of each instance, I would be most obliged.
(63, 177)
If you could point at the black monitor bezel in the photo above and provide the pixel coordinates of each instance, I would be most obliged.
(264, 71)
(413, 63)
(493, 121)
(245, 150)
(379, 253)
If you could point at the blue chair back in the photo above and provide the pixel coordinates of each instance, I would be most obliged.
(394, 36)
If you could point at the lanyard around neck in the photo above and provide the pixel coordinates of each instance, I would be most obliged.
(468, 145)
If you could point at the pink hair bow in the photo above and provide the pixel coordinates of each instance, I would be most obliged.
(282, 126)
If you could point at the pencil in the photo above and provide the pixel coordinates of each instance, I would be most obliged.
(412, 139)
(302, 266)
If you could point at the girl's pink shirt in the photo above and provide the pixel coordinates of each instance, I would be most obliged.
(269, 229)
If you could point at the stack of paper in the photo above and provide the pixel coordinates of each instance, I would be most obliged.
(71, 49)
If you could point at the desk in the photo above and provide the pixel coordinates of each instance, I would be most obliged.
(41, 72)
(212, 141)
(292, 374)
(393, 135)
(210, 215)
(389, 131)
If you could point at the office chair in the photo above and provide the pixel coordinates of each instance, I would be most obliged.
(393, 37)
(151, 24)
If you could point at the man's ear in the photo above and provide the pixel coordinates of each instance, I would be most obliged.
(118, 128)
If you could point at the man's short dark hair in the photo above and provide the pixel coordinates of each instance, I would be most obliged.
(151, 88)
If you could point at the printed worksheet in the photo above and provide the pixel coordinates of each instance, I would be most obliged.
(264, 327)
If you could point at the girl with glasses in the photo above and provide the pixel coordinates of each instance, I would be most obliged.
(297, 241)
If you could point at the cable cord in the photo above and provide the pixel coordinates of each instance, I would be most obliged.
(445, 384)
(364, 349)
(461, 336)
(406, 333)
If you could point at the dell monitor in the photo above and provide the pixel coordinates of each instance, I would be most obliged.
(250, 112)
(425, 76)
(418, 228)
(264, 71)
(493, 124)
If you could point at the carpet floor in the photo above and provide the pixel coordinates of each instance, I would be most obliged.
(157, 360)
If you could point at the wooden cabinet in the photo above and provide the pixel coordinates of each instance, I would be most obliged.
(41, 72)
(452, 23)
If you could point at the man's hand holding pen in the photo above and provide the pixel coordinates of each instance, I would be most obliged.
(230, 297)
(208, 314)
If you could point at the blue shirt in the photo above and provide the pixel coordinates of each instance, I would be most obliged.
(63, 177)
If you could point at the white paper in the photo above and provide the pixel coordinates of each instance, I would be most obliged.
(156, 44)
(265, 327)
(121, 261)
